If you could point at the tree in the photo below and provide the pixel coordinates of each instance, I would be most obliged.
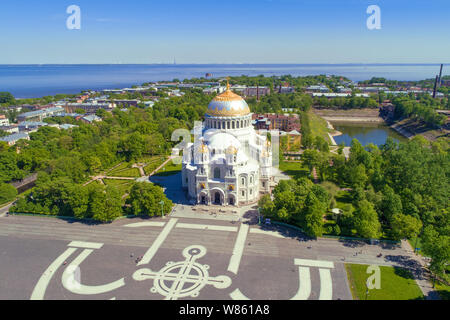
(313, 216)
(311, 158)
(7, 193)
(145, 199)
(358, 176)
(391, 203)
(437, 246)
(6, 97)
(366, 220)
(405, 226)
(266, 205)
(93, 163)
(105, 204)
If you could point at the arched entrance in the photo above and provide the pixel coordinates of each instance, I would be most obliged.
(231, 200)
(217, 197)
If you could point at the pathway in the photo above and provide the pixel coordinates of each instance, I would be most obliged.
(140, 166)
(422, 277)
(161, 166)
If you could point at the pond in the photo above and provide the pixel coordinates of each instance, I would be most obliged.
(366, 133)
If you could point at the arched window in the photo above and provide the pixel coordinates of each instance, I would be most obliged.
(237, 124)
(217, 173)
(228, 124)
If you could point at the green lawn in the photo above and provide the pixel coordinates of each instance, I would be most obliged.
(169, 169)
(443, 290)
(294, 169)
(318, 126)
(124, 186)
(396, 284)
(122, 166)
(125, 170)
(153, 164)
(343, 199)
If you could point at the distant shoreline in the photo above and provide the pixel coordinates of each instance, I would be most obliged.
(350, 115)
(38, 80)
(223, 64)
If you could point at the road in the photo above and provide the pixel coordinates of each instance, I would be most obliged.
(180, 258)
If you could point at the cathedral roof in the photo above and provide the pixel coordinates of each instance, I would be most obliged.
(228, 104)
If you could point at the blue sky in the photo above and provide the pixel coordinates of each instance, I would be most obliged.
(209, 31)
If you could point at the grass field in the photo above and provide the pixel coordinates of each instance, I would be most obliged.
(318, 126)
(124, 186)
(396, 284)
(169, 169)
(154, 163)
(294, 169)
(127, 173)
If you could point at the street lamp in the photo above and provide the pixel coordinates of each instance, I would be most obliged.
(162, 208)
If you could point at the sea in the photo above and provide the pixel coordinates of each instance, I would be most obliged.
(32, 81)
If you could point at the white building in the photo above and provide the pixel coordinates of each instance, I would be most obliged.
(229, 163)
(4, 121)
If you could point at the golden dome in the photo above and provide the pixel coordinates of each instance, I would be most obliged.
(203, 148)
(228, 104)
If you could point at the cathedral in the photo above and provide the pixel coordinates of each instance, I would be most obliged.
(229, 163)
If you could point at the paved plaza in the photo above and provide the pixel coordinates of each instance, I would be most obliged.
(175, 258)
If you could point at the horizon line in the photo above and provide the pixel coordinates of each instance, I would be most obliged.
(231, 63)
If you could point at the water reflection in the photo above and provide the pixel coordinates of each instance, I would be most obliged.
(366, 133)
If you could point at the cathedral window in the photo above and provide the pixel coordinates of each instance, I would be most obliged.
(217, 173)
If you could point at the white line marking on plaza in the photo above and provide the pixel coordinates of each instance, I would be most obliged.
(73, 285)
(41, 286)
(238, 295)
(86, 245)
(158, 242)
(184, 278)
(238, 249)
(326, 285)
(145, 224)
(266, 232)
(206, 227)
(304, 289)
(314, 263)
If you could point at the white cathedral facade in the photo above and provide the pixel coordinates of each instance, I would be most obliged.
(229, 163)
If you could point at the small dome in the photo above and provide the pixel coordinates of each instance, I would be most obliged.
(203, 148)
(228, 104)
(223, 141)
(231, 150)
